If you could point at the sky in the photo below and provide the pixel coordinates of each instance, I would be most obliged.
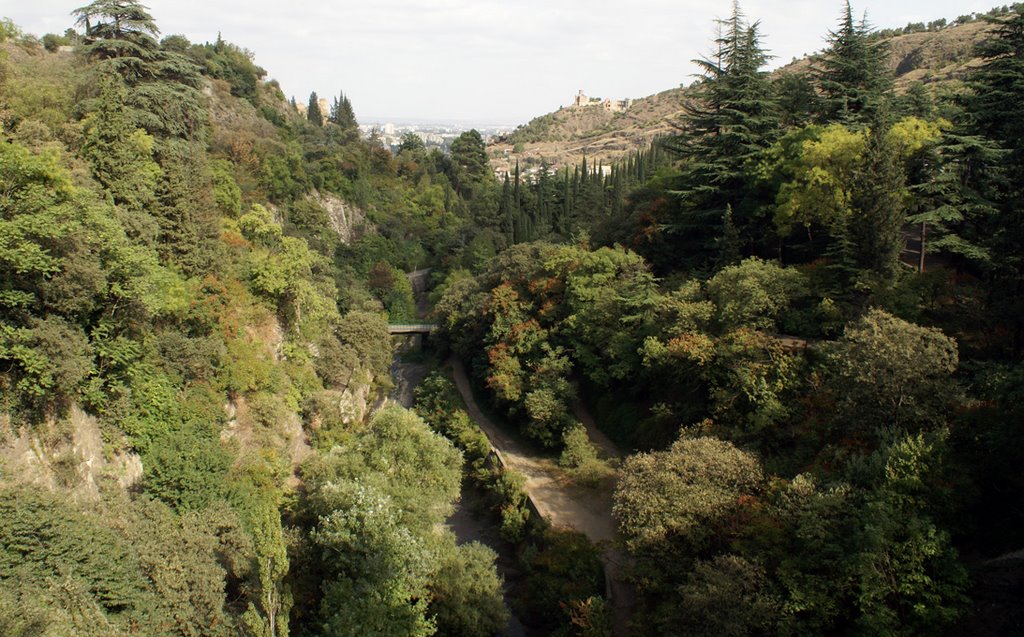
(488, 62)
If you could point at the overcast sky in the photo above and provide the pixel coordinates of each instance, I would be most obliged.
(488, 61)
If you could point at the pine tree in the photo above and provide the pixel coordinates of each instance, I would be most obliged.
(951, 196)
(162, 86)
(853, 76)
(120, 154)
(996, 105)
(732, 119)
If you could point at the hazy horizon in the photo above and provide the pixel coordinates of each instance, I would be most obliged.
(493, 63)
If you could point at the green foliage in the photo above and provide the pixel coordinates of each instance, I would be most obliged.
(731, 120)
(416, 469)
(562, 569)
(438, 403)
(120, 154)
(136, 565)
(50, 360)
(186, 469)
(121, 289)
(313, 113)
(467, 593)
(44, 539)
(286, 271)
(231, 63)
(909, 576)
(853, 74)
(366, 333)
(382, 570)
(268, 616)
(751, 609)
(887, 373)
(682, 496)
(754, 294)
(343, 115)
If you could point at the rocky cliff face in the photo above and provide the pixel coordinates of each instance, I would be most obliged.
(67, 455)
(347, 220)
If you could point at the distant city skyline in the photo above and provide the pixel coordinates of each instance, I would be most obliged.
(495, 63)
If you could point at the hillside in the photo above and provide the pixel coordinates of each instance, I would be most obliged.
(565, 136)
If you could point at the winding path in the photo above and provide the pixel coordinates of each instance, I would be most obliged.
(563, 504)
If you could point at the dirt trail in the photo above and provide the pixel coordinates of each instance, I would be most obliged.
(588, 511)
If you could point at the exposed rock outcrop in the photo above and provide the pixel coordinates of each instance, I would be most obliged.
(67, 455)
(348, 220)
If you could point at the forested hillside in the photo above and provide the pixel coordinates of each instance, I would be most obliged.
(195, 284)
(798, 313)
(803, 311)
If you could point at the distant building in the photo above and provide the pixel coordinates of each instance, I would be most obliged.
(614, 106)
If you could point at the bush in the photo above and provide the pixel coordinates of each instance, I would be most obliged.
(467, 594)
(562, 568)
(576, 448)
(579, 456)
(186, 469)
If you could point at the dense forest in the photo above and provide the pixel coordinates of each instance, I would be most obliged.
(801, 314)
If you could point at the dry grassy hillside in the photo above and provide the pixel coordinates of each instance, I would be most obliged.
(568, 134)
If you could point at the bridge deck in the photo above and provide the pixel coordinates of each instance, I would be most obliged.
(412, 328)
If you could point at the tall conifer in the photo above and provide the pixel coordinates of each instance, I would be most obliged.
(853, 75)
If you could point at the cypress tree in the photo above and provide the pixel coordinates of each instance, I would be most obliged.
(728, 241)
(561, 220)
(313, 113)
(506, 210)
(878, 198)
(342, 113)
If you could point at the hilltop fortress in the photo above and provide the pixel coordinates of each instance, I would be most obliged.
(615, 106)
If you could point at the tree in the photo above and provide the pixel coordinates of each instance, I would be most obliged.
(268, 616)
(119, 29)
(416, 469)
(466, 593)
(120, 154)
(700, 611)
(754, 294)
(853, 74)
(996, 107)
(342, 113)
(313, 113)
(676, 500)
(887, 374)
(469, 162)
(876, 232)
(910, 580)
(162, 84)
(730, 120)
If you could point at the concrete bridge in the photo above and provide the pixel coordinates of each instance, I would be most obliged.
(412, 328)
